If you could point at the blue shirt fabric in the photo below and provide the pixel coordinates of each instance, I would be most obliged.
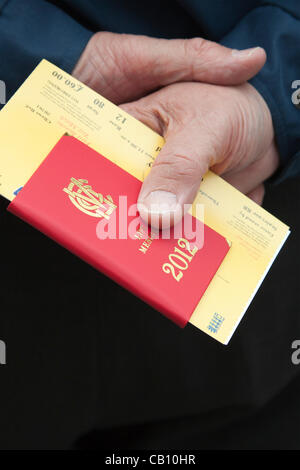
(59, 31)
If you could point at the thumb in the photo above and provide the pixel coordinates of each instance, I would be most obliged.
(172, 184)
(124, 67)
(189, 150)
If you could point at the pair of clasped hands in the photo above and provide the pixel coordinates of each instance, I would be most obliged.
(195, 94)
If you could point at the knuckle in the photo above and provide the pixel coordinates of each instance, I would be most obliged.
(112, 47)
(195, 50)
(187, 167)
(180, 166)
(196, 46)
(102, 41)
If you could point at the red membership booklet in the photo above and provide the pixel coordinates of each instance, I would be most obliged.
(88, 204)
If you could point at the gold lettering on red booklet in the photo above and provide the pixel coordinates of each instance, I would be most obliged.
(88, 201)
(180, 259)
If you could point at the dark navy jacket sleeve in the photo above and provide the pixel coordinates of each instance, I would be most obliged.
(34, 29)
(276, 27)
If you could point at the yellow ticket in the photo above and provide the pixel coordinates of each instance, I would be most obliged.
(51, 102)
(256, 236)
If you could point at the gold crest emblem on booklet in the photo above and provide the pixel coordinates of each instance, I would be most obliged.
(89, 201)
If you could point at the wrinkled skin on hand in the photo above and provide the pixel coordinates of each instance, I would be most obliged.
(228, 129)
(124, 67)
(204, 107)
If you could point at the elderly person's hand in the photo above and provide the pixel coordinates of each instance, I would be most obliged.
(226, 128)
(124, 67)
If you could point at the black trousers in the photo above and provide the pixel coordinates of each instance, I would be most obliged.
(91, 366)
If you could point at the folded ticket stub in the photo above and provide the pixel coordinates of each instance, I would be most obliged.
(51, 103)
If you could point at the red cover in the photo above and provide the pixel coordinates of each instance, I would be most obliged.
(63, 199)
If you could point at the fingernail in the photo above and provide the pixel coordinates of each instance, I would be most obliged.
(159, 202)
(245, 52)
